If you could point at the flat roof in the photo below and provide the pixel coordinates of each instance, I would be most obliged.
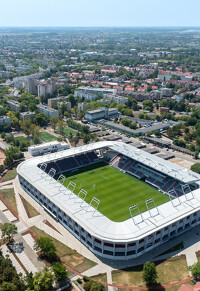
(96, 223)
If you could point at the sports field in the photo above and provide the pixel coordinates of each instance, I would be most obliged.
(115, 190)
(47, 137)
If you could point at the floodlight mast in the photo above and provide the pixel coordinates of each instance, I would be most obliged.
(71, 187)
(186, 190)
(82, 195)
(42, 167)
(61, 180)
(172, 194)
(148, 203)
(51, 174)
(94, 203)
(132, 209)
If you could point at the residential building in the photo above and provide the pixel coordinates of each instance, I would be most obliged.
(4, 119)
(47, 110)
(82, 106)
(24, 115)
(102, 113)
(14, 105)
(46, 87)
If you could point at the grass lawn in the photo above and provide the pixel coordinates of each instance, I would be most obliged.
(169, 271)
(114, 189)
(46, 136)
(10, 175)
(9, 196)
(100, 277)
(24, 139)
(30, 210)
(68, 256)
(21, 138)
(67, 130)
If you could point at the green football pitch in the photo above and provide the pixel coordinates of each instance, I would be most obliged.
(115, 190)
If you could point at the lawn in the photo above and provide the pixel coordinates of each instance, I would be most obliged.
(9, 196)
(68, 256)
(47, 137)
(115, 190)
(23, 139)
(10, 175)
(30, 210)
(169, 271)
(67, 131)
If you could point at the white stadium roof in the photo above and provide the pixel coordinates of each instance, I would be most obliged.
(96, 223)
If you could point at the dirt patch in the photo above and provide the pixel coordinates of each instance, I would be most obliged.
(2, 157)
(181, 162)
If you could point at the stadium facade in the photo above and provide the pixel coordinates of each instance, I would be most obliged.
(108, 239)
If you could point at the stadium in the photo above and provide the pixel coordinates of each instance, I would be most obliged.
(117, 200)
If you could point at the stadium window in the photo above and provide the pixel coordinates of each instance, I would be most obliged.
(98, 241)
(194, 221)
(119, 254)
(130, 253)
(141, 241)
(187, 225)
(89, 243)
(108, 253)
(97, 249)
(157, 232)
(140, 249)
(165, 236)
(188, 217)
(150, 236)
(131, 244)
(108, 245)
(157, 240)
(120, 246)
(149, 245)
(166, 228)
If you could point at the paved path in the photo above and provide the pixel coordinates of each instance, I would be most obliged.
(16, 264)
(28, 252)
(190, 238)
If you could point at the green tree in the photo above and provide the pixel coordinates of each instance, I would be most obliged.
(46, 245)
(8, 286)
(61, 126)
(41, 119)
(195, 269)
(72, 100)
(54, 121)
(195, 168)
(60, 271)
(26, 126)
(12, 153)
(147, 105)
(43, 281)
(149, 274)
(8, 230)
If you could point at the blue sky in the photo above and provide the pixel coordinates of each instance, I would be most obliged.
(99, 12)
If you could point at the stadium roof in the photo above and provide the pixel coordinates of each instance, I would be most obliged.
(96, 223)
